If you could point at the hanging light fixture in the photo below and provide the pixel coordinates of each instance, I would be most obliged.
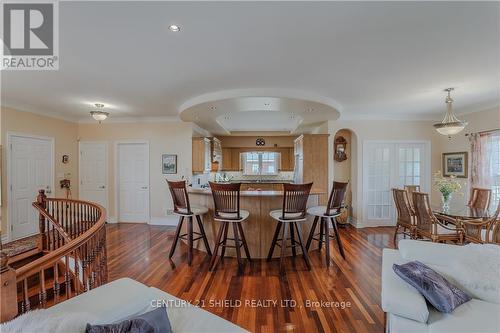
(99, 114)
(451, 124)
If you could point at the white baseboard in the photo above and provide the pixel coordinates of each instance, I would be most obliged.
(360, 225)
(111, 219)
(5, 239)
(166, 220)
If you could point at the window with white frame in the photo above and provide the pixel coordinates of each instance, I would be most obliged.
(260, 163)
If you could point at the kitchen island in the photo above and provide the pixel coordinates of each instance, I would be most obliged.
(259, 227)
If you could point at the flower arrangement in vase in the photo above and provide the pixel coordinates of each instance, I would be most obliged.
(447, 186)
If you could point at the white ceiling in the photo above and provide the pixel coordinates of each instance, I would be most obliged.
(366, 60)
(253, 112)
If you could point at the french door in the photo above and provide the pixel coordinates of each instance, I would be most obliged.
(31, 168)
(93, 172)
(133, 182)
(387, 165)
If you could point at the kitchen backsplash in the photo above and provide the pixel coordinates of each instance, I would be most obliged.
(235, 175)
(200, 180)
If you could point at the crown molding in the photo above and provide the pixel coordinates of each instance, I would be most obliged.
(48, 114)
(128, 120)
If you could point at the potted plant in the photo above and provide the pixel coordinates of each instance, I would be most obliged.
(447, 186)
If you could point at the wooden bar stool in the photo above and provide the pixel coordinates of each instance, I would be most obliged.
(227, 211)
(183, 209)
(294, 211)
(325, 213)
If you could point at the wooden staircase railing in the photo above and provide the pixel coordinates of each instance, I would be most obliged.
(73, 240)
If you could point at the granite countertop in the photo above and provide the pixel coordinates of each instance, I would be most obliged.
(254, 193)
(263, 181)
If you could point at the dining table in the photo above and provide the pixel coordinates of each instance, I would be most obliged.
(454, 214)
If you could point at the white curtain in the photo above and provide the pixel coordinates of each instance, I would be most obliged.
(481, 171)
(485, 163)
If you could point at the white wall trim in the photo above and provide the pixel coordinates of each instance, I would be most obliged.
(170, 220)
(5, 239)
(126, 120)
(115, 168)
(111, 219)
(10, 135)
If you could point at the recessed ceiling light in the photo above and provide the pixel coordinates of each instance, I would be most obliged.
(174, 28)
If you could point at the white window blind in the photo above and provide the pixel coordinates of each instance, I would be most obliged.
(260, 163)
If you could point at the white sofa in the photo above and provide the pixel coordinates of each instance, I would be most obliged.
(125, 297)
(473, 268)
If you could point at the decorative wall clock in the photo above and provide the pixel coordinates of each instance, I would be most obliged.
(260, 142)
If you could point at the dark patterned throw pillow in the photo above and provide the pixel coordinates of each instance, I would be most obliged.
(444, 296)
(155, 321)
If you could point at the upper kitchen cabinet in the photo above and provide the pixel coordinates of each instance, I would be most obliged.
(202, 152)
(287, 159)
(206, 151)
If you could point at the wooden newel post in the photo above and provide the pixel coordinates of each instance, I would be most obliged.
(8, 299)
(41, 199)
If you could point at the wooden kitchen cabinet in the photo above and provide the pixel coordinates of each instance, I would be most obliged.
(201, 159)
(227, 162)
(287, 159)
(312, 151)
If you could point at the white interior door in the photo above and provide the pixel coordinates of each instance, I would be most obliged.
(31, 169)
(133, 182)
(387, 165)
(93, 172)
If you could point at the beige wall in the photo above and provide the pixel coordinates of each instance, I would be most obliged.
(164, 138)
(342, 170)
(249, 141)
(478, 121)
(410, 130)
(64, 134)
(390, 130)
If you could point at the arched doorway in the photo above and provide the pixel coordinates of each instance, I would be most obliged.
(345, 170)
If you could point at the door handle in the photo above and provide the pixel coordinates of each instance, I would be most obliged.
(102, 187)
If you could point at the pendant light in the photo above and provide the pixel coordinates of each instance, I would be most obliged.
(451, 124)
(99, 114)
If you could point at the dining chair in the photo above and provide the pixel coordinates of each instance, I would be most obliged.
(325, 214)
(183, 209)
(428, 226)
(405, 214)
(227, 211)
(291, 216)
(410, 189)
(480, 198)
(482, 230)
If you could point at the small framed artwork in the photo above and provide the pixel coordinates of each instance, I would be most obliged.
(168, 164)
(455, 164)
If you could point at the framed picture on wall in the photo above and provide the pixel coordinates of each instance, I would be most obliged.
(455, 164)
(168, 164)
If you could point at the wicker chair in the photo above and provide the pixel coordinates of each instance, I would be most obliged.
(481, 230)
(480, 198)
(406, 215)
(428, 226)
(410, 189)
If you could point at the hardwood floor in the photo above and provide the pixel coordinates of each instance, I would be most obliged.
(140, 252)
